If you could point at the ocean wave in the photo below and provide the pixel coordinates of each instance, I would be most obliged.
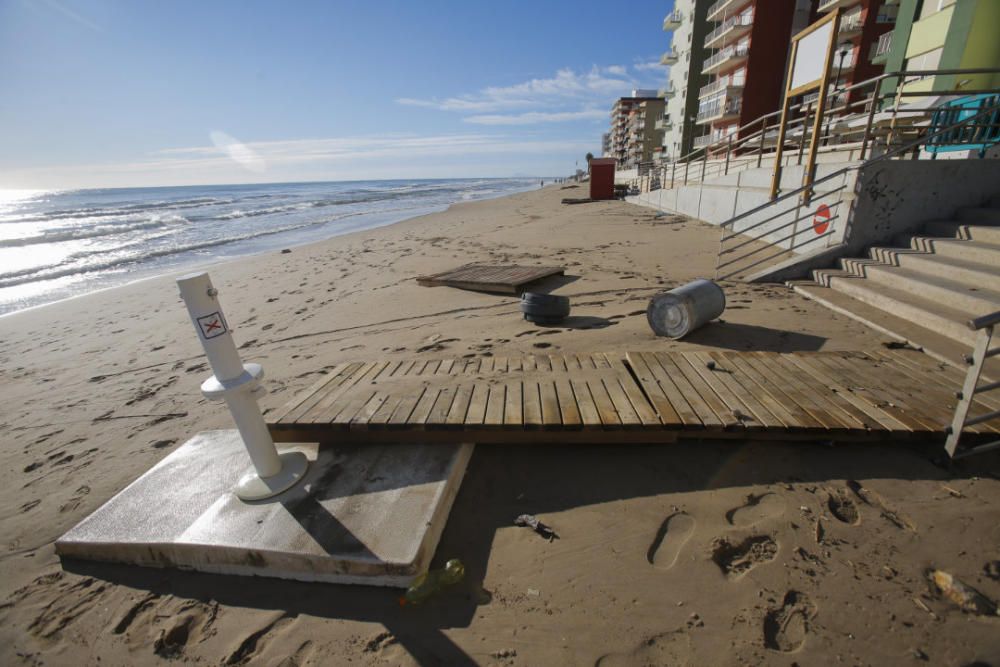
(76, 234)
(117, 210)
(73, 264)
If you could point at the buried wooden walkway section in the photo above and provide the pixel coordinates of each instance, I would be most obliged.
(631, 397)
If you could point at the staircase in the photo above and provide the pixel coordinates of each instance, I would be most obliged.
(926, 287)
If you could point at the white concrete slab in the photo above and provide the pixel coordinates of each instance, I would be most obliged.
(370, 514)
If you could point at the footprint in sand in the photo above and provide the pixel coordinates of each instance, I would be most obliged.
(736, 559)
(674, 533)
(786, 627)
(756, 509)
(843, 508)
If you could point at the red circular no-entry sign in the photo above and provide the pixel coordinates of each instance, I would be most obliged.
(821, 221)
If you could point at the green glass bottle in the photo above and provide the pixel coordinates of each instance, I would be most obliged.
(433, 581)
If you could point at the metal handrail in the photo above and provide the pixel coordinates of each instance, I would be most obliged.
(839, 172)
(981, 351)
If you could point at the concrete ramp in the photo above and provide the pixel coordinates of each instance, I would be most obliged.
(363, 515)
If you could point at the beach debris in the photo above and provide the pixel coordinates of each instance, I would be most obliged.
(680, 311)
(285, 251)
(432, 582)
(498, 278)
(577, 200)
(710, 365)
(967, 598)
(544, 309)
(992, 569)
(531, 521)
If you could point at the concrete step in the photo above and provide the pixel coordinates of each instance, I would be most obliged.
(979, 214)
(984, 233)
(970, 251)
(933, 343)
(929, 314)
(949, 268)
(971, 298)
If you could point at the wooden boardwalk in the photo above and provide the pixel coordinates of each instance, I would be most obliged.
(631, 397)
(508, 279)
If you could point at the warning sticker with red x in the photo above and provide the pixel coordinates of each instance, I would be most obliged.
(212, 325)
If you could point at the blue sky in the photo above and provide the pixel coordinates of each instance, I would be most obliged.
(104, 93)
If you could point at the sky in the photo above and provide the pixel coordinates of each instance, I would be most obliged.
(134, 93)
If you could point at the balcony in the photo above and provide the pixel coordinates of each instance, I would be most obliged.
(731, 55)
(880, 49)
(663, 124)
(670, 57)
(723, 7)
(702, 141)
(851, 24)
(667, 93)
(724, 108)
(733, 27)
(719, 84)
(673, 21)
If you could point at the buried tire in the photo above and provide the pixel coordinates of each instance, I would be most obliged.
(544, 308)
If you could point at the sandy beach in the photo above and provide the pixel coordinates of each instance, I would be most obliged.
(97, 389)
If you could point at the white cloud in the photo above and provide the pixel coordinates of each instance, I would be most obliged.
(533, 117)
(567, 86)
(653, 65)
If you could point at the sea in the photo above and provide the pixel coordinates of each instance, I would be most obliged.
(58, 244)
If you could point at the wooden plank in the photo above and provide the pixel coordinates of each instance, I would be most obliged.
(589, 414)
(605, 406)
(567, 403)
(925, 368)
(700, 392)
(360, 419)
(828, 375)
(445, 367)
(406, 407)
(676, 386)
(301, 402)
(381, 417)
(794, 395)
(504, 279)
(637, 399)
(652, 388)
(460, 406)
(732, 392)
(442, 406)
(795, 416)
(532, 403)
(543, 363)
(424, 406)
(619, 398)
(512, 412)
(863, 384)
(558, 362)
(323, 410)
(495, 404)
(476, 412)
(500, 364)
(528, 363)
(848, 415)
(924, 399)
(550, 403)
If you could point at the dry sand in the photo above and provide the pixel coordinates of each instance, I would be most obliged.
(697, 553)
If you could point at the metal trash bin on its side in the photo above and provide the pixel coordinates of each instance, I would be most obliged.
(680, 311)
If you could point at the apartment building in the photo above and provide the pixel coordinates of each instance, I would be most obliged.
(862, 26)
(942, 35)
(749, 54)
(687, 26)
(606, 145)
(634, 135)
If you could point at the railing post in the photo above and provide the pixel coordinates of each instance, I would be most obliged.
(704, 163)
(729, 150)
(802, 139)
(968, 392)
(673, 173)
(868, 124)
(760, 149)
(686, 166)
